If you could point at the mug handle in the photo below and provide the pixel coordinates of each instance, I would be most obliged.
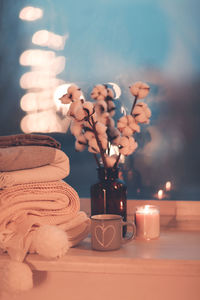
(128, 239)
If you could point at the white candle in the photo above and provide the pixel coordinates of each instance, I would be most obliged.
(147, 218)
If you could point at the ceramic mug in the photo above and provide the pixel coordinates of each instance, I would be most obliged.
(106, 232)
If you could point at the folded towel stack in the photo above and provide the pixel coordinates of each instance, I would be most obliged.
(39, 212)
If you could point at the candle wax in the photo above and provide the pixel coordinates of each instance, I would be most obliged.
(147, 222)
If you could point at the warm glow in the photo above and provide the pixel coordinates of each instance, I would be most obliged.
(36, 57)
(46, 121)
(168, 186)
(160, 194)
(121, 205)
(37, 101)
(49, 39)
(30, 13)
(39, 80)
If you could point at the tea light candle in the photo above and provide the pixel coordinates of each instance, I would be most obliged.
(147, 218)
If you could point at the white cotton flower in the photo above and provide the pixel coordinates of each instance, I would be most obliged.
(124, 141)
(76, 128)
(100, 107)
(110, 122)
(93, 146)
(100, 128)
(114, 135)
(65, 99)
(88, 107)
(110, 160)
(104, 141)
(80, 114)
(132, 145)
(133, 124)
(104, 118)
(99, 92)
(73, 107)
(127, 145)
(141, 113)
(84, 111)
(127, 125)
(140, 89)
(81, 143)
(89, 134)
(73, 94)
(127, 131)
(74, 91)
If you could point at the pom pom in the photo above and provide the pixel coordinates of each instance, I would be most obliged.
(50, 241)
(16, 277)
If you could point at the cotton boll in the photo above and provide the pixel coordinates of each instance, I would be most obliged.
(99, 92)
(132, 145)
(139, 89)
(122, 123)
(74, 92)
(124, 141)
(65, 99)
(89, 135)
(142, 113)
(50, 241)
(76, 128)
(93, 150)
(16, 277)
(124, 150)
(111, 108)
(93, 146)
(80, 143)
(79, 114)
(100, 128)
(100, 107)
(127, 131)
(73, 107)
(104, 141)
(110, 122)
(88, 107)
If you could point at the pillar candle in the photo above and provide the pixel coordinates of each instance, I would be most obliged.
(147, 218)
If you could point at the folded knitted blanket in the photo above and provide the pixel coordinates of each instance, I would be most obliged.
(28, 139)
(25, 207)
(25, 157)
(57, 169)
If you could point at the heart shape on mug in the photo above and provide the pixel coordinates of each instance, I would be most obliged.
(105, 235)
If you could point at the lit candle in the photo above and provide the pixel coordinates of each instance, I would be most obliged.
(168, 186)
(121, 205)
(147, 218)
(160, 194)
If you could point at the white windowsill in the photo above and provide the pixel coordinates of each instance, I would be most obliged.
(176, 252)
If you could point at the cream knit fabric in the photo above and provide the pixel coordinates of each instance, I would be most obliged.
(57, 169)
(25, 207)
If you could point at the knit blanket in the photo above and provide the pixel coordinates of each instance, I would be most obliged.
(28, 139)
(25, 207)
(57, 168)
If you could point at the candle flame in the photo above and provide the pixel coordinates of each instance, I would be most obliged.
(121, 205)
(160, 194)
(168, 186)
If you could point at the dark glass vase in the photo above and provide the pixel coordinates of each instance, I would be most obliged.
(109, 195)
